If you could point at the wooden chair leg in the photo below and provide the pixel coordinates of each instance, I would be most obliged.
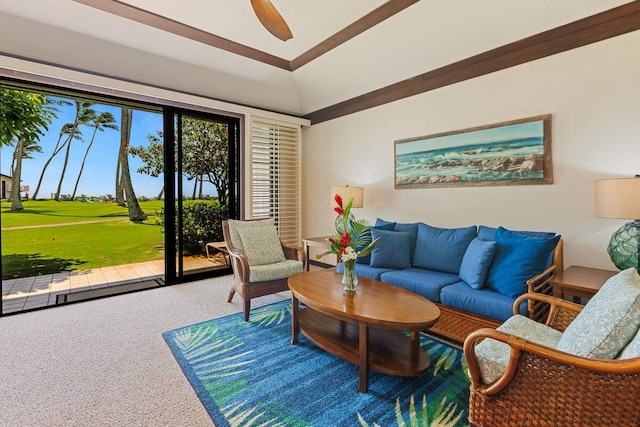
(247, 307)
(231, 294)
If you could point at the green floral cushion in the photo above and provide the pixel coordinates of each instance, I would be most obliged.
(235, 225)
(261, 245)
(279, 270)
(608, 321)
(493, 356)
(632, 349)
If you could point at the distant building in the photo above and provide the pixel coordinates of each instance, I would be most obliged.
(5, 186)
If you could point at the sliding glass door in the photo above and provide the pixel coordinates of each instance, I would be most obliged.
(202, 190)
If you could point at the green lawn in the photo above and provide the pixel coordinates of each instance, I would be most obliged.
(45, 250)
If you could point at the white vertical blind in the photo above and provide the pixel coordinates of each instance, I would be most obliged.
(275, 176)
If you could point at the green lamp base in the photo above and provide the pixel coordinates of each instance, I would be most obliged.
(624, 245)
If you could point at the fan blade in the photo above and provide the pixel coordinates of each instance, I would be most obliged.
(271, 19)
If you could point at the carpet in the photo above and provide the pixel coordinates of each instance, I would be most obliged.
(248, 374)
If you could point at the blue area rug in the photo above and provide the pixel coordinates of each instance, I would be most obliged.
(249, 374)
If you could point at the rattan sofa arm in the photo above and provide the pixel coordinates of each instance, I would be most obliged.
(561, 312)
(240, 264)
(520, 345)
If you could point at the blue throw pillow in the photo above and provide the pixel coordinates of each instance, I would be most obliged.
(367, 259)
(518, 258)
(392, 251)
(382, 222)
(442, 249)
(476, 262)
(412, 229)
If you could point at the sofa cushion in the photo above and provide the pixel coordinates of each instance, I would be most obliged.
(235, 225)
(493, 356)
(484, 302)
(261, 245)
(279, 270)
(609, 320)
(632, 349)
(476, 262)
(367, 259)
(488, 233)
(427, 283)
(518, 258)
(441, 249)
(392, 250)
(364, 270)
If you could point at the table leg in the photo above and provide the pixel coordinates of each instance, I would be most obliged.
(307, 249)
(364, 357)
(295, 327)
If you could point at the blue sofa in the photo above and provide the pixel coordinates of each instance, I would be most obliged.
(474, 274)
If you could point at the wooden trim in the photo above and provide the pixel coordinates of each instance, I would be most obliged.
(151, 19)
(611, 23)
(133, 13)
(368, 21)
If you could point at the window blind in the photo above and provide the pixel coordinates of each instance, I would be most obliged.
(275, 176)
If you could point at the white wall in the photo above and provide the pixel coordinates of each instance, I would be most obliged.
(593, 94)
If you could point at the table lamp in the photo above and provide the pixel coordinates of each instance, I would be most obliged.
(347, 193)
(620, 198)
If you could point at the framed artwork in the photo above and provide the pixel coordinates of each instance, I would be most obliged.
(517, 152)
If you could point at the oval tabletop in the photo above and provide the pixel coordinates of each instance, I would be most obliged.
(374, 302)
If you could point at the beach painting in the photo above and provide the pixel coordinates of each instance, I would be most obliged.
(511, 153)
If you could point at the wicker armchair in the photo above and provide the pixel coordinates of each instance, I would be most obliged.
(543, 386)
(242, 283)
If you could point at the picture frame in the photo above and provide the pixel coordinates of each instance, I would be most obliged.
(516, 152)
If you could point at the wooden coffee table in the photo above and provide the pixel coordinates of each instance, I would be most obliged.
(366, 327)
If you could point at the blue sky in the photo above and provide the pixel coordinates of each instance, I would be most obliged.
(98, 177)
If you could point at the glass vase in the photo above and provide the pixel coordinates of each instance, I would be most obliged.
(349, 278)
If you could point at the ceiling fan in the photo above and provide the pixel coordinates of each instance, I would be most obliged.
(271, 19)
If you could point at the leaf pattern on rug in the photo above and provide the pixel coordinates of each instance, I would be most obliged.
(249, 374)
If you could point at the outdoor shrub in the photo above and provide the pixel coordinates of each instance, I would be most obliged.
(201, 223)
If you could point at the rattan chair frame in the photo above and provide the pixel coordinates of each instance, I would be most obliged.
(543, 386)
(241, 273)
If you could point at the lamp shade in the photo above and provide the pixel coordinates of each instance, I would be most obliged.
(618, 198)
(347, 192)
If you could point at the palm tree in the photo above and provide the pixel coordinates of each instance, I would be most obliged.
(135, 211)
(83, 115)
(70, 132)
(102, 121)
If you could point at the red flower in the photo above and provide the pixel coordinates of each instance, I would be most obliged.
(342, 250)
(338, 210)
(344, 239)
(338, 200)
(332, 240)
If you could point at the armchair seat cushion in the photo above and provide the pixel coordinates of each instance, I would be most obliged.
(484, 302)
(427, 283)
(493, 356)
(278, 270)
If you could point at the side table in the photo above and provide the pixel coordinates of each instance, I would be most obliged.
(580, 282)
(319, 242)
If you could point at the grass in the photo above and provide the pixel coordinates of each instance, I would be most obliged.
(45, 250)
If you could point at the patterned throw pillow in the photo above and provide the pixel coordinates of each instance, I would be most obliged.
(235, 225)
(261, 245)
(608, 321)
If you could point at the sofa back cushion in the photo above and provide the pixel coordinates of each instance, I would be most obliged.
(393, 249)
(476, 262)
(383, 226)
(609, 320)
(442, 249)
(518, 258)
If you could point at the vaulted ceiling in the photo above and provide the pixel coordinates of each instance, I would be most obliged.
(344, 55)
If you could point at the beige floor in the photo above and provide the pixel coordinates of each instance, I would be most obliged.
(39, 291)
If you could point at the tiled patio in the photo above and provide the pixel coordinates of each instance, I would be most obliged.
(39, 291)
